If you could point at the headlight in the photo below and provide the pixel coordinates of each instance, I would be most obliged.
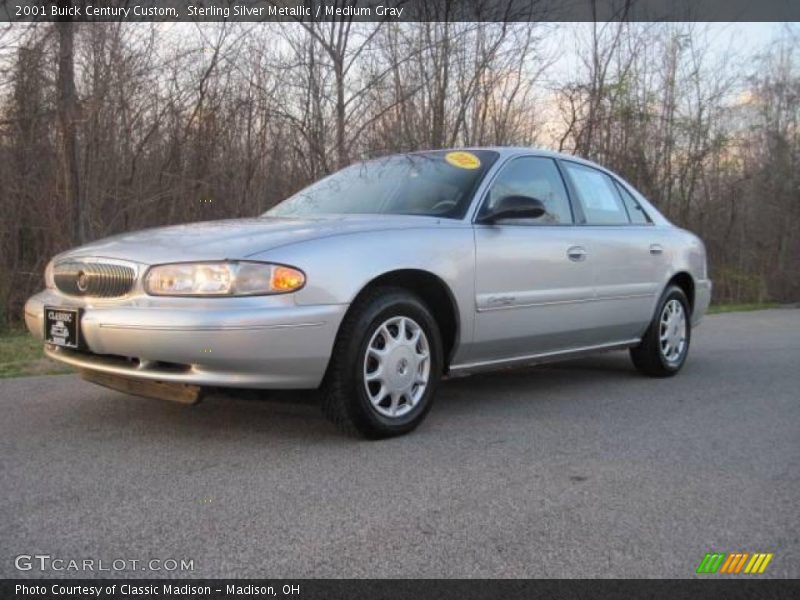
(232, 278)
(49, 277)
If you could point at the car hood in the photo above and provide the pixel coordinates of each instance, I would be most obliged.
(237, 238)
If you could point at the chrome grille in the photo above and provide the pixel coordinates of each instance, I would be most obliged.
(98, 279)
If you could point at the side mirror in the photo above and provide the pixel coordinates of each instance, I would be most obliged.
(514, 207)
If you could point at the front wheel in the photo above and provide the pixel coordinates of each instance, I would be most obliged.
(665, 345)
(386, 365)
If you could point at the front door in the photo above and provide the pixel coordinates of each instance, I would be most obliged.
(533, 280)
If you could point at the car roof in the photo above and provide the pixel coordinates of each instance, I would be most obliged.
(508, 151)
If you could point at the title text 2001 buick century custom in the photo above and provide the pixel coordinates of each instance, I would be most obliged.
(377, 280)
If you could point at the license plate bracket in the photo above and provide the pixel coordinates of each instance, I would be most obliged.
(62, 326)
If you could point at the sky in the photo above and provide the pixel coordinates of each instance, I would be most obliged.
(742, 39)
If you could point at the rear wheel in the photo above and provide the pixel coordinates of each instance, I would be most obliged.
(665, 345)
(386, 365)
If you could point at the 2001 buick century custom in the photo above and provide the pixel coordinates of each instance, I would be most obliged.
(375, 281)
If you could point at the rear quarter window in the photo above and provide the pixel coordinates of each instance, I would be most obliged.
(636, 213)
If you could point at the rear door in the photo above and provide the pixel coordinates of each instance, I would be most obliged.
(626, 251)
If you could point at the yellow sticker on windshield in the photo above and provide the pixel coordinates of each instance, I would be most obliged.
(463, 160)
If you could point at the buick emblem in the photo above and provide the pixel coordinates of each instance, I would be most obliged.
(83, 281)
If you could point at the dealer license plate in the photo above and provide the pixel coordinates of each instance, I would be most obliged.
(61, 326)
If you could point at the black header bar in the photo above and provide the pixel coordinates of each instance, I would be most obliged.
(398, 10)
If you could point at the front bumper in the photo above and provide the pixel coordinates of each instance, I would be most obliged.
(260, 342)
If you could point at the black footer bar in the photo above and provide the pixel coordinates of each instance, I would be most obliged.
(393, 589)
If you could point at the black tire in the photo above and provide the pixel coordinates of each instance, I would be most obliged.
(649, 357)
(344, 398)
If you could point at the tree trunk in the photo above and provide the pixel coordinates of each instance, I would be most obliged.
(342, 158)
(67, 118)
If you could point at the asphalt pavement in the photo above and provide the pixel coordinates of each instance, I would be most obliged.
(580, 469)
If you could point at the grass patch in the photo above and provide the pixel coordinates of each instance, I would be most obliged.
(21, 355)
(716, 309)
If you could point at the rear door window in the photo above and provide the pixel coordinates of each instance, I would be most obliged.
(598, 195)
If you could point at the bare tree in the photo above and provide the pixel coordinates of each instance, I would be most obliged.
(111, 127)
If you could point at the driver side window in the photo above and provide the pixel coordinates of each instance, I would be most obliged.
(534, 177)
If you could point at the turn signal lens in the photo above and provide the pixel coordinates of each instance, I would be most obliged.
(286, 279)
(226, 278)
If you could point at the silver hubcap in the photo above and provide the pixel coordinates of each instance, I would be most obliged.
(397, 366)
(672, 331)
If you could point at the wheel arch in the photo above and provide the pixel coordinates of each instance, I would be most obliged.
(436, 294)
(685, 281)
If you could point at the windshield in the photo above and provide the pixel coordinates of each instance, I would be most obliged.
(437, 184)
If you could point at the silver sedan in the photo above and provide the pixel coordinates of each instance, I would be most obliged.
(375, 282)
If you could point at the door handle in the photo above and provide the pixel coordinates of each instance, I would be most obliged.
(656, 249)
(576, 253)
